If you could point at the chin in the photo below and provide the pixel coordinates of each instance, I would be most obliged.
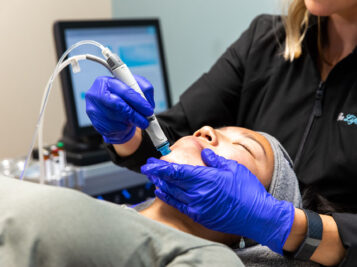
(318, 8)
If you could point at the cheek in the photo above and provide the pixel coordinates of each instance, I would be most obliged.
(184, 155)
(242, 157)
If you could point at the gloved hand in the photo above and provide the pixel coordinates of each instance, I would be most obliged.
(224, 196)
(116, 109)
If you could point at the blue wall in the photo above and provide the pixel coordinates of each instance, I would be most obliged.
(195, 32)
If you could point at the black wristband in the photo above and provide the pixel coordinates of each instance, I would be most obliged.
(312, 239)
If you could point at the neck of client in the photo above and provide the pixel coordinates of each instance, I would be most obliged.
(161, 212)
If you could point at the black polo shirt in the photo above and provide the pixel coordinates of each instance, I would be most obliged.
(252, 86)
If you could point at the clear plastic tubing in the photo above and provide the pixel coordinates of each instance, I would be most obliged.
(45, 100)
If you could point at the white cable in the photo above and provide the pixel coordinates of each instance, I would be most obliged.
(39, 124)
(69, 61)
(74, 62)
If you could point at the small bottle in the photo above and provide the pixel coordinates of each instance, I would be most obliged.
(48, 165)
(55, 162)
(62, 156)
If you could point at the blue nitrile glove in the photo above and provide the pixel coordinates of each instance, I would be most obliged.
(225, 196)
(116, 109)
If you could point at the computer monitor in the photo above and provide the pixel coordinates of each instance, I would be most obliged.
(137, 42)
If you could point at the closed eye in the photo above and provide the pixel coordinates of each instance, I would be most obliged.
(245, 147)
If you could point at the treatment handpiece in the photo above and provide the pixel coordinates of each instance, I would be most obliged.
(121, 71)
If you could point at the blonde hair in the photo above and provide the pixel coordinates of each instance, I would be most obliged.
(296, 23)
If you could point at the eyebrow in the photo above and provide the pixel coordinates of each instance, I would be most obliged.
(253, 138)
(249, 136)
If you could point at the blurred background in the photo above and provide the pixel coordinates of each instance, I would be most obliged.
(195, 33)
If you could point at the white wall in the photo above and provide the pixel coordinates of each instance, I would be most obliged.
(195, 32)
(27, 58)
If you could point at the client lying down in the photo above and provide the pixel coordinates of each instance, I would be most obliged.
(254, 150)
(48, 226)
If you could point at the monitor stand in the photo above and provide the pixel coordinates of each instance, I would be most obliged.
(86, 150)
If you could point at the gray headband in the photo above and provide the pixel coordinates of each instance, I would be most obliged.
(284, 184)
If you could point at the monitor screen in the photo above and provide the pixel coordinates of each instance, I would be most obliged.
(139, 47)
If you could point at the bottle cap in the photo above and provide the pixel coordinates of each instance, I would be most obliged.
(60, 145)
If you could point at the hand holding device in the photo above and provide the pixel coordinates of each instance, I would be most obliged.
(121, 71)
(116, 110)
(224, 196)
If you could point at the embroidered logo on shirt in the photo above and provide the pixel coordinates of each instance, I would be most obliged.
(349, 119)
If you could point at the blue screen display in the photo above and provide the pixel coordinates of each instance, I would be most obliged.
(138, 48)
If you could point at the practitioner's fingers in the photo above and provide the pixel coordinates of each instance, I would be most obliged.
(130, 96)
(172, 201)
(180, 175)
(213, 160)
(180, 194)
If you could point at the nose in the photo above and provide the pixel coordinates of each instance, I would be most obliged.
(208, 134)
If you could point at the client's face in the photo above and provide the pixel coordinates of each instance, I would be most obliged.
(242, 145)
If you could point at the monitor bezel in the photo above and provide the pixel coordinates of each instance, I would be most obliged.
(67, 90)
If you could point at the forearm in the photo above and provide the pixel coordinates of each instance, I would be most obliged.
(329, 252)
(134, 153)
(138, 157)
(174, 124)
(127, 149)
